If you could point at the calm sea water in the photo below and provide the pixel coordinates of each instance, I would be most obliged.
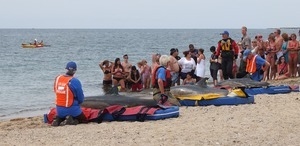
(27, 75)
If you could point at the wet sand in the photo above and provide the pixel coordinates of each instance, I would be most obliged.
(272, 120)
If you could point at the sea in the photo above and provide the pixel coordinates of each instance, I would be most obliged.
(27, 74)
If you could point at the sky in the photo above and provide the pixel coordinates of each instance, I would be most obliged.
(152, 14)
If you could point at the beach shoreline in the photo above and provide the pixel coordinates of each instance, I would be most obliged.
(271, 120)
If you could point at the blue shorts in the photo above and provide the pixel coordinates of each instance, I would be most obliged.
(73, 111)
(175, 77)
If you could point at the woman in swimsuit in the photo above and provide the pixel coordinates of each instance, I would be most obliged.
(189, 80)
(261, 48)
(293, 49)
(271, 56)
(282, 69)
(118, 74)
(107, 79)
(135, 79)
(146, 72)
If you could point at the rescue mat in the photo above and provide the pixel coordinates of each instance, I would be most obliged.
(121, 113)
(219, 101)
(269, 90)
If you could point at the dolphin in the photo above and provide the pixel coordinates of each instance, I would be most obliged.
(114, 98)
(200, 89)
(241, 83)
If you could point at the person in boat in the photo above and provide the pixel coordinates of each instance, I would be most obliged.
(227, 50)
(255, 64)
(106, 67)
(69, 96)
(161, 82)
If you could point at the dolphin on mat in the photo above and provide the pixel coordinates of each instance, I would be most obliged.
(114, 98)
(197, 91)
(242, 83)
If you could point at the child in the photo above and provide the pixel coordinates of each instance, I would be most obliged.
(214, 65)
(189, 80)
(146, 72)
(135, 78)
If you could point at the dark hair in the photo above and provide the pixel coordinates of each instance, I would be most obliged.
(285, 37)
(191, 46)
(293, 34)
(70, 72)
(105, 62)
(185, 53)
(172, 51)
(125, 55)
(116, 64)
(190, 73)
(133, 69)
(201, 50)
(212, 48)
(278, 31)
(279, 60)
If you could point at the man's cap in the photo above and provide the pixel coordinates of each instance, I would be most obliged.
(71, 66)
(246, 53)
(225, 32)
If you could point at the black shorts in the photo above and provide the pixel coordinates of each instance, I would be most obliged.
(214, 74)
(107, 82)
(220, 66)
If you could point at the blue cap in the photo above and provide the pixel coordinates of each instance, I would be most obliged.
(71, 66)
(246, 53)
(225, 32)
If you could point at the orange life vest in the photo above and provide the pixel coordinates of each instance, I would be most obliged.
(167, 83)
(64, 95)
(251, 65)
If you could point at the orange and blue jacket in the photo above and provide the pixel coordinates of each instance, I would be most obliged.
(68, 91)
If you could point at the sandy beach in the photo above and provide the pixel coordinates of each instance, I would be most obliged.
(272, 120)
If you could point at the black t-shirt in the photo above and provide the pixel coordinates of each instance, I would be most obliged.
(214, 65)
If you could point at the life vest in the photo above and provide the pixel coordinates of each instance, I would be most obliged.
(226, 45)
(251, 65)
(167, 83)
(64, 95)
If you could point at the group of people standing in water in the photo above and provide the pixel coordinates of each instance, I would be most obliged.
(278, 57)
(128, 76)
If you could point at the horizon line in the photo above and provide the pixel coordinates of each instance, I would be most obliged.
(138, 28)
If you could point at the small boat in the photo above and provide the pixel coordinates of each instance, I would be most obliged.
(32, 45)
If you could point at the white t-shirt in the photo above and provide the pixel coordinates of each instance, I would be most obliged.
(187, 65)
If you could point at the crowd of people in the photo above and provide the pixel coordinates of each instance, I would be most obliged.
(277, 57)
(128, 76)
(271, 59)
